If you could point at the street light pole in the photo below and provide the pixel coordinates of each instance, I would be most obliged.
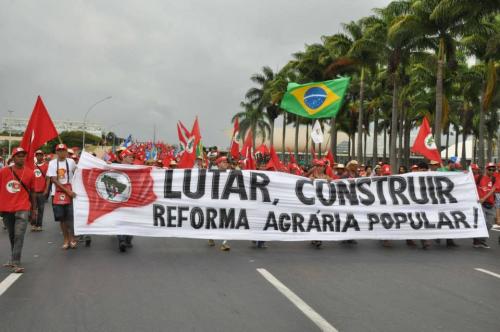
(85, 118)
(10, 130)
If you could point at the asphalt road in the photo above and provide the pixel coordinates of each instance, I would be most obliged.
(184, 285)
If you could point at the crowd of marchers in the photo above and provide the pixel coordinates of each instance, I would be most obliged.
(25, 187)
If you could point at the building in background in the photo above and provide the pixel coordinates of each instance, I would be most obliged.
(17, 126)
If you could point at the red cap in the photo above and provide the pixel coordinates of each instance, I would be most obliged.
(474, 166)
(39, 152)
(61, 147)
(386, 170)
(221, 159)
(488, 165)
(414, 166)
(126, 153)
(18, 150)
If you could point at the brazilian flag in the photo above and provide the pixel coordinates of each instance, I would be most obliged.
(315, 100)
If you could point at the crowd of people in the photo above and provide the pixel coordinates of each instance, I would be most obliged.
(25, 187)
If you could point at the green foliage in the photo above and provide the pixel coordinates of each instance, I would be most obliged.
(71, 139)
(401, 45)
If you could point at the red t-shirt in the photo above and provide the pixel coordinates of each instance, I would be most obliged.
(484, 187)
(497, 181)
(40, 173)
(13, 196)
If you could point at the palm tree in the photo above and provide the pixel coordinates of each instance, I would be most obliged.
(441, 22)
(308, 66)
(468, 85)
(260, 96)
(362, 53)
(253, 119)
(400, 44)
(276, 90)
(485, 46)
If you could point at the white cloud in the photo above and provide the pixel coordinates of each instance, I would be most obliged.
(162, 61)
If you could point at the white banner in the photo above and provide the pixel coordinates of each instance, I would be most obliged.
(255, 205)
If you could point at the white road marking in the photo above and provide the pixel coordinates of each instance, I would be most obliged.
(7, 282)
(488, 272)
(298, 302)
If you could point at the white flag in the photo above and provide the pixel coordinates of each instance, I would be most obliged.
(317, 133)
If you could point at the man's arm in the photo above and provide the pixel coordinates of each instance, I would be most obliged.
(47, 186)
(491, 192)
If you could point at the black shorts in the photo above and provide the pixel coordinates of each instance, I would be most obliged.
(63, 213)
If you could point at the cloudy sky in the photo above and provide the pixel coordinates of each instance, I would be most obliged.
(160, 60)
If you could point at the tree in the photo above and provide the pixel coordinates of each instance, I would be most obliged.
(261, 96)
(253, 118)
(355, 46)
(276, 90)
(71, 139)
(484, 44)
(440, 23)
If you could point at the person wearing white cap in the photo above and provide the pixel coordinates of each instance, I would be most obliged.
(61, 171)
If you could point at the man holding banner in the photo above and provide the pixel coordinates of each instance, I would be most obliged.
(260, 205)
(125, 241)
(222, 165)
(486, 189)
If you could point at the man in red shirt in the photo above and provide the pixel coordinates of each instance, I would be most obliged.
(486, 189)
(41, 188)
(496, 227)
(16, 200)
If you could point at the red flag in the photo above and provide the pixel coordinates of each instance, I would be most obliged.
(247, 151)
(329, 172)
(109, 190)
(329, 157)
(235, 145)
(292, 157)
(189, 156)
(424, 143)
(276, 160)
(184, 129)
(39, 131)
(183, 134)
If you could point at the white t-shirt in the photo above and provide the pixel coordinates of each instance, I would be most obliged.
(64, 170)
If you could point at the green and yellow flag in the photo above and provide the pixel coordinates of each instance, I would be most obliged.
(315, 100)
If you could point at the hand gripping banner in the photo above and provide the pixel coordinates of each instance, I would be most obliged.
(255, 205)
